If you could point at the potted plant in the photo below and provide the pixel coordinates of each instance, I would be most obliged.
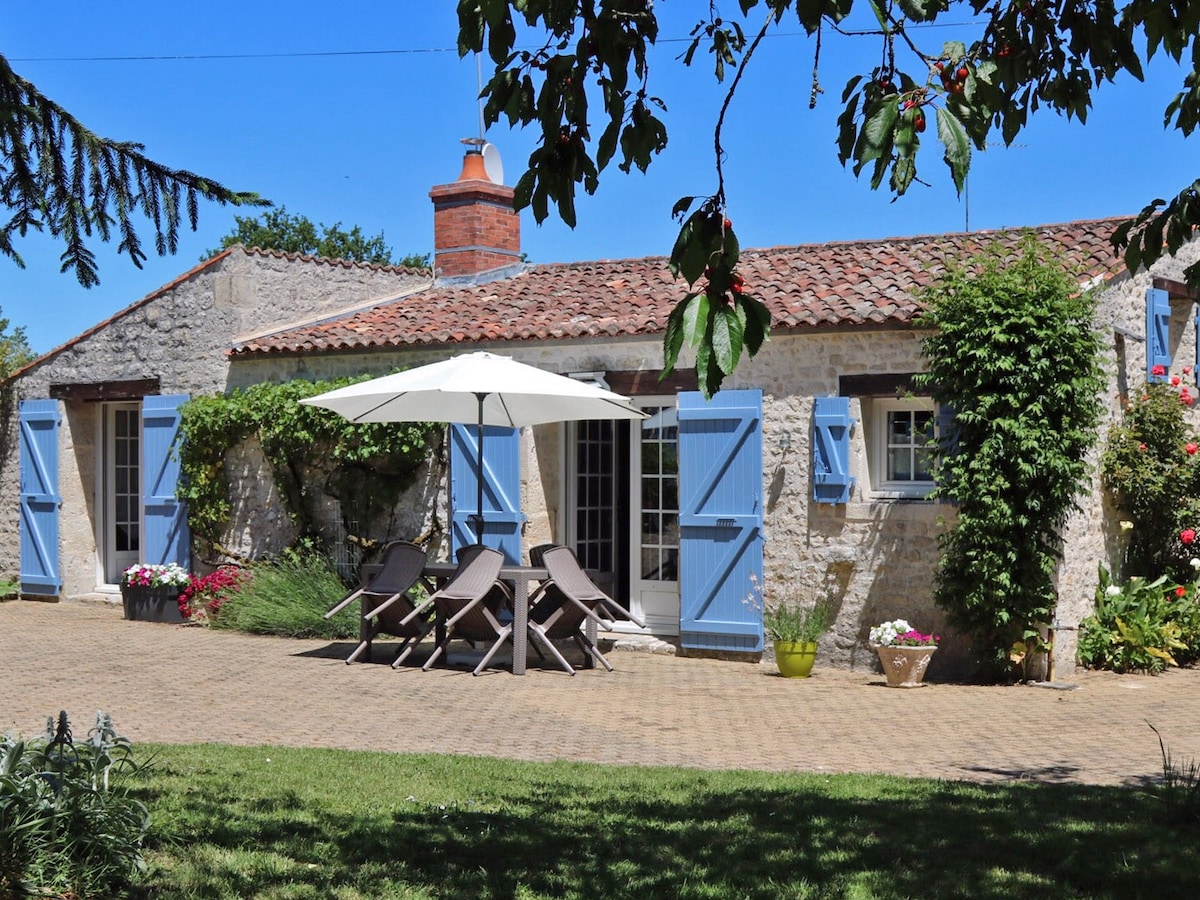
(904, 652)
(150, 592)
(794, 630)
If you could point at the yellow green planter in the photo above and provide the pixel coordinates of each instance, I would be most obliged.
(795, 658)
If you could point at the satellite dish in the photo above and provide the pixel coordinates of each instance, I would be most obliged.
(492, 164)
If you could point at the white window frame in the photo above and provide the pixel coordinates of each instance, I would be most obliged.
(877, 439)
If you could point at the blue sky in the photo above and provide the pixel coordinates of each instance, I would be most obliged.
(351, 116)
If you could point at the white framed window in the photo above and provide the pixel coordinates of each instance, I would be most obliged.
(899, 435)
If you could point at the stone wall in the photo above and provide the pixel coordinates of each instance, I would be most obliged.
(180, 334)
(874, 555)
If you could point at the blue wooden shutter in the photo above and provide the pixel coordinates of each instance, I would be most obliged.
(832, 482)
(501, 488)
(720, 519)
(39, 421)
(168, 539)
(1158, 332)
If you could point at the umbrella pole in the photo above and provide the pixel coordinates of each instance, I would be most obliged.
(477, 519)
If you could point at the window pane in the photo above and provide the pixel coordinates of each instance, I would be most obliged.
(923, 425)
(924, 466)
(650, 528)
(670, 529)
(899, 464)
(650, 563)
(899, 427)
(670, 461)
(651, 493)
(670, 494)
(650, 464)
(670, 564)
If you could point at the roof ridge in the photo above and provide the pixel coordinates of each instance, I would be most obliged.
(332, 261)
(945, 236)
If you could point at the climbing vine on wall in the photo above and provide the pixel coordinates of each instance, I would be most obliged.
(1013, 352)
(366, 466)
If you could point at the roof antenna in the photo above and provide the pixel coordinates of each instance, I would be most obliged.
(491, 156)
(479, 93)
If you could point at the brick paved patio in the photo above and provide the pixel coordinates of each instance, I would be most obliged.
(186, 684)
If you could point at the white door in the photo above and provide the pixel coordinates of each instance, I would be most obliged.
(654, 503)
(121, 489)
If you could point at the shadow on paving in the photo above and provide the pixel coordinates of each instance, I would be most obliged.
(722, 836)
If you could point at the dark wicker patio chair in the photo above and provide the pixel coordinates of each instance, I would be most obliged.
(564, 603)
(388, 603)
(462, 603)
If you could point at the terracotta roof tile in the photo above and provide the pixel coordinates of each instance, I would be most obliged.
(813, 285)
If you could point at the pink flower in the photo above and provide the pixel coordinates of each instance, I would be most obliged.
(1175, 381)
(1159, 370)
(1142, 448)
(1187, 370)
(1188, 535)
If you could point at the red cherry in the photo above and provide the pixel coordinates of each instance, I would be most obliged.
(736, 283)
(728, 225)
(962, 73)
(919, 121)
(1004, 52)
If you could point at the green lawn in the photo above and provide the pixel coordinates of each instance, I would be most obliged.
(271, 822)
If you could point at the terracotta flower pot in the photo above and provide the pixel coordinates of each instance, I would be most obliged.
(795, 658)
(905, 666)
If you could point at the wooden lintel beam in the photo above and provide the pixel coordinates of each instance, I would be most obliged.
(132, 389)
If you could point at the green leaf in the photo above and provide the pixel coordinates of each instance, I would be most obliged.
(875, 139)
(695, 319)
(757, 323)
(673, 336)
(727, 330)
(958, 148)
(848, 129)
(682, 205)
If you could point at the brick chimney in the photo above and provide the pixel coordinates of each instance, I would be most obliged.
(475, 228)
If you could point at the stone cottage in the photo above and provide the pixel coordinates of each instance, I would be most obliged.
(803, 470)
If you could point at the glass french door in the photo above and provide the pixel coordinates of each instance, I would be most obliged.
(654, 499)
(121, 488)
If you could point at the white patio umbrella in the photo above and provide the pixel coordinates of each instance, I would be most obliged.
(480, 388)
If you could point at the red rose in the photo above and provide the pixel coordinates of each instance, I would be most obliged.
(1188, 535)
(1175, 381)
(1180, 591)
(1191, 449)
(1159, 370)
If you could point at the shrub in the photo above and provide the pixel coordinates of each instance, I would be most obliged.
(203, 598)
(288, 597)
(1152, 468)
(1136, 626)
(68, 826)
(1014, 355)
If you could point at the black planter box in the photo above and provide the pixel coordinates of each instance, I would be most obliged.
(152, 604)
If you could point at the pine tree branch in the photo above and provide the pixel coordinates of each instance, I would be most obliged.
(58, 176)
